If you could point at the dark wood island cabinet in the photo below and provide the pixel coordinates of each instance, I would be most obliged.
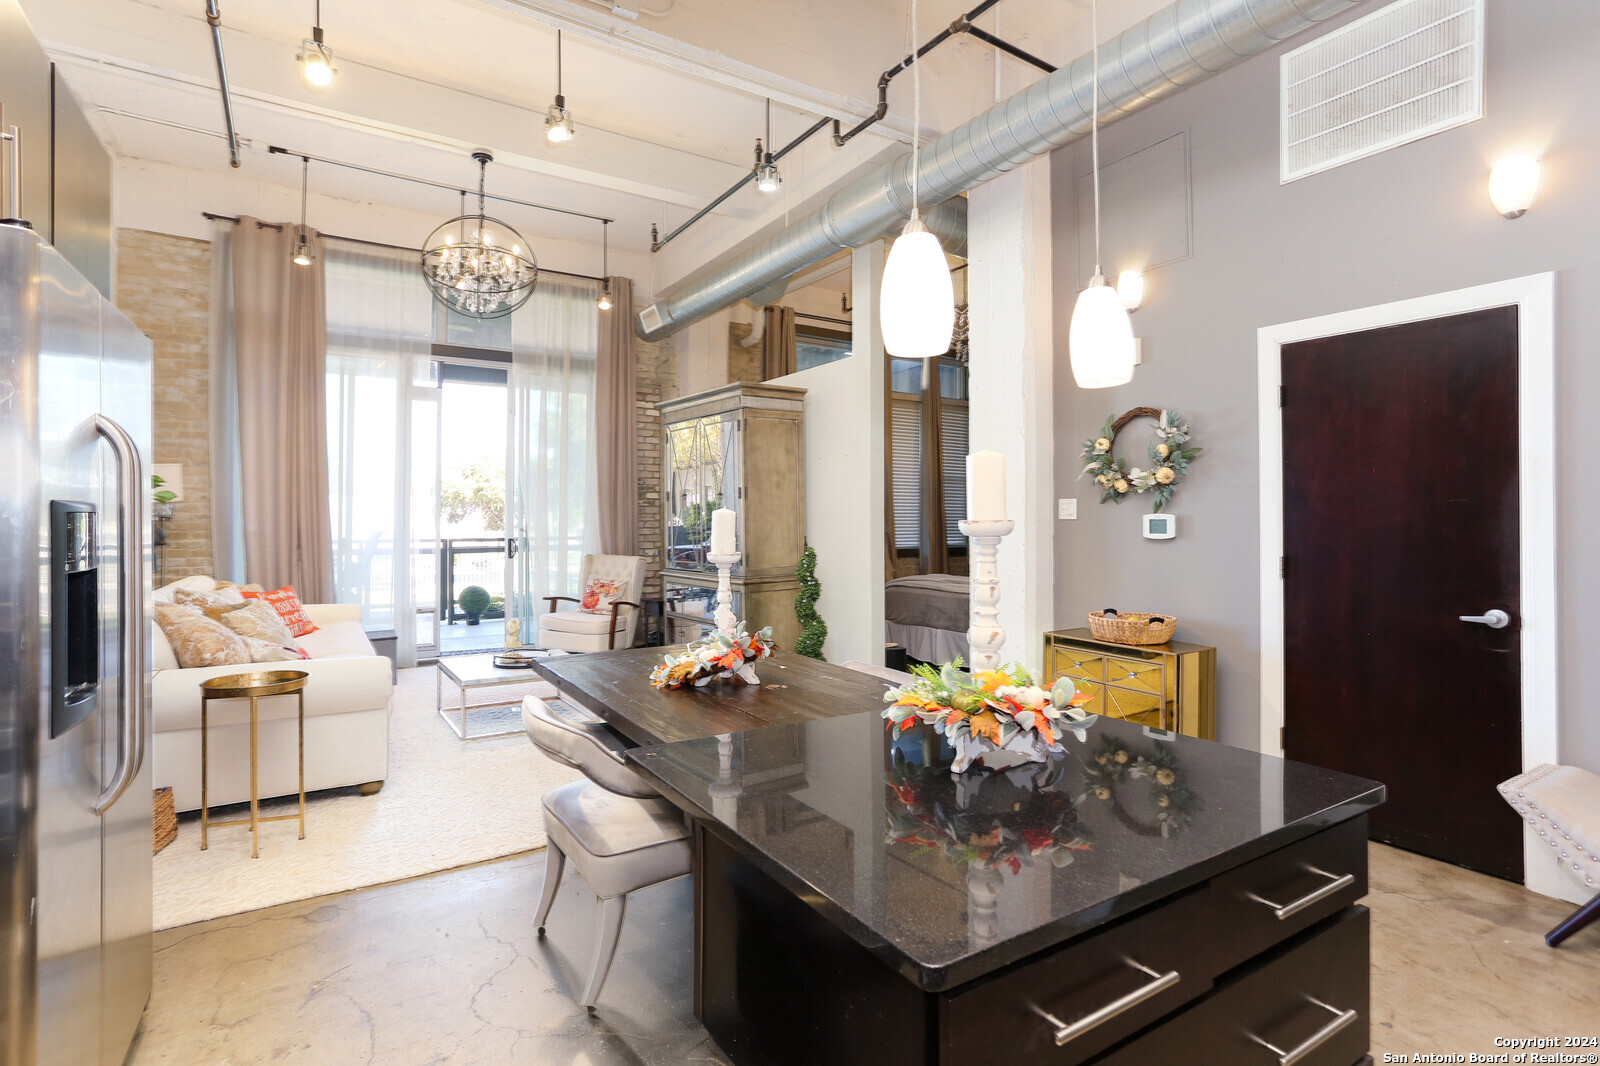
(1147, 898)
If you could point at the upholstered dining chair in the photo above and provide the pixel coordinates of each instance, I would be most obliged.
(613, 827)
(1562, 803)
(882, 673)
(601, 627)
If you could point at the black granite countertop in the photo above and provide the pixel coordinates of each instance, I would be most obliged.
(947, 878)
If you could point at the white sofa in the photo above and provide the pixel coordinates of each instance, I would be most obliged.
(347, 719)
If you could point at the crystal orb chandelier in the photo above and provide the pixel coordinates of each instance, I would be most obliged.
(478, 265)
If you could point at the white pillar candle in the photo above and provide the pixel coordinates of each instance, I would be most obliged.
(986, 487)
(723, 541)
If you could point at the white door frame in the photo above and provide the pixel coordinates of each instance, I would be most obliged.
(1534, 298)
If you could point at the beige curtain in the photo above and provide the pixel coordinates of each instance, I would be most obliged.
(615, 426)
(280, 346)
(777, 342)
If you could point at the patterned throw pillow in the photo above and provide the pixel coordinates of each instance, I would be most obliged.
(264, 651)
(199, 641)
(257, 620)
(599, 596)
(289, 608)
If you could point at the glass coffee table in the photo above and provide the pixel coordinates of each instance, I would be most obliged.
(479, 671)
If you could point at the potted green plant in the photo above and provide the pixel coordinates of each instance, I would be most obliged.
(162, 498)
(474, 600)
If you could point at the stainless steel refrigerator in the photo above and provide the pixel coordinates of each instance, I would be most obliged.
(75, 799)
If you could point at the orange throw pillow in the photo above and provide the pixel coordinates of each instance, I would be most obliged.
(289, 608)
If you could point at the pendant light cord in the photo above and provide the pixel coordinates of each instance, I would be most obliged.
(1094, 124)
(916, 111)
(558, 60)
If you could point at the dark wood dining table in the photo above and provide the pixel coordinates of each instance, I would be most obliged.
(794, 689)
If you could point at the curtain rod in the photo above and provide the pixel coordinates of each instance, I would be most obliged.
(375, 244)
(824, 318)
(273, 149)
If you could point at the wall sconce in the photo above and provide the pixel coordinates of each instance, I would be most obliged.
(1130, 287)
(1514, 184)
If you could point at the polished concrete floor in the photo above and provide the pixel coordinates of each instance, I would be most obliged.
(447, 970)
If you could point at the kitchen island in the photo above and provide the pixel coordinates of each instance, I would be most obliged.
(1144, 898)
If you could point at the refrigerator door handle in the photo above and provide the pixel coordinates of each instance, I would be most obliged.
(131, 709)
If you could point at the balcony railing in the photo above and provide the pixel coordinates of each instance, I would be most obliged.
(467, 561)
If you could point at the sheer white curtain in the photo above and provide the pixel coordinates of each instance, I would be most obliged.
(380, 424)
(227, 504)
(553, 498)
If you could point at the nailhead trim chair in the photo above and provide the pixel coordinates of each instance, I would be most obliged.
(614, 827)
(580, 631)
(1562, 803)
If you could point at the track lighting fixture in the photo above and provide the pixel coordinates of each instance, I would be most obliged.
(558, 120)
(768, 179)
(303, 256)
(316, 58)
(604, 303)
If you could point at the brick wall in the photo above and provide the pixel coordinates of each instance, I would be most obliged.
(163, 284)
(656, 380)
(745, 364)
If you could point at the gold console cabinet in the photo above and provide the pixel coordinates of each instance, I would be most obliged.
(1165, 686)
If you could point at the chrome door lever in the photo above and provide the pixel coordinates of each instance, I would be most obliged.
(1495, 619)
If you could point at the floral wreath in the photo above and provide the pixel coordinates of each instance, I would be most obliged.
(1169, 458)
(1175, 803)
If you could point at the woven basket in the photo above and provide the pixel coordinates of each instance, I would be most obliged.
(166, 821)
(1132, 627)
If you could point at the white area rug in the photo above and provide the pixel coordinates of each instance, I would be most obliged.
(446, 803)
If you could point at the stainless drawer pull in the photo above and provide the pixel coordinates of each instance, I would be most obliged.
(1065, 1032)
(1341, 1019)
(1288, 910)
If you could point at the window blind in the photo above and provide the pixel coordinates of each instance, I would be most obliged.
(953, 451)
(905, 444)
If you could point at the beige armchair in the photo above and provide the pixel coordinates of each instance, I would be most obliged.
(579, 631)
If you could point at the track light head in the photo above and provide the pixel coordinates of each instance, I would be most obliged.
(558, 122)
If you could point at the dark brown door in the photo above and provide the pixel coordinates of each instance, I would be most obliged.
(1400, 516)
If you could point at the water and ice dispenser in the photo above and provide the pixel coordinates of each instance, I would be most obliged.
(74, 614)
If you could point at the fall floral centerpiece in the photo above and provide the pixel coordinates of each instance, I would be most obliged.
(715, 657)
(989, 712)
(1004, 821)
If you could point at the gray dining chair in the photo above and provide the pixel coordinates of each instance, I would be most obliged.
(613, 826)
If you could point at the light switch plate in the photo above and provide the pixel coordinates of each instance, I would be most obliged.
(1066, 509)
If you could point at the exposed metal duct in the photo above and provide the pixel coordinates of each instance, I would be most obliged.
(1172, 49)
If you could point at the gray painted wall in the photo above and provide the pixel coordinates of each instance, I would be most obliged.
(1409, 222)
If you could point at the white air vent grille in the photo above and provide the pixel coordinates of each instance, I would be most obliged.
(650, 318)
(1404, 72)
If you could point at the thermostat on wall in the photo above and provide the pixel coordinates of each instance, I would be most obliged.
(1160, 526)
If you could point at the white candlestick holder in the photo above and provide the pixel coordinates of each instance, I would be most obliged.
(985, 637)
(727, 621)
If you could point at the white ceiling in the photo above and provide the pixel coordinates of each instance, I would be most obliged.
(667, 107)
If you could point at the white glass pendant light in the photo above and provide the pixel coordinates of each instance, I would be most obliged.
(558, 120)
(303, 256)
(1100, 338)
(917, 303)
(316, 58)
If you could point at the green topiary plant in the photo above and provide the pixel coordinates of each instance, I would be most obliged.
(813, 630)
(474, 600)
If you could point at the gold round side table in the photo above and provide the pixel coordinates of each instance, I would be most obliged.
(253, 687)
